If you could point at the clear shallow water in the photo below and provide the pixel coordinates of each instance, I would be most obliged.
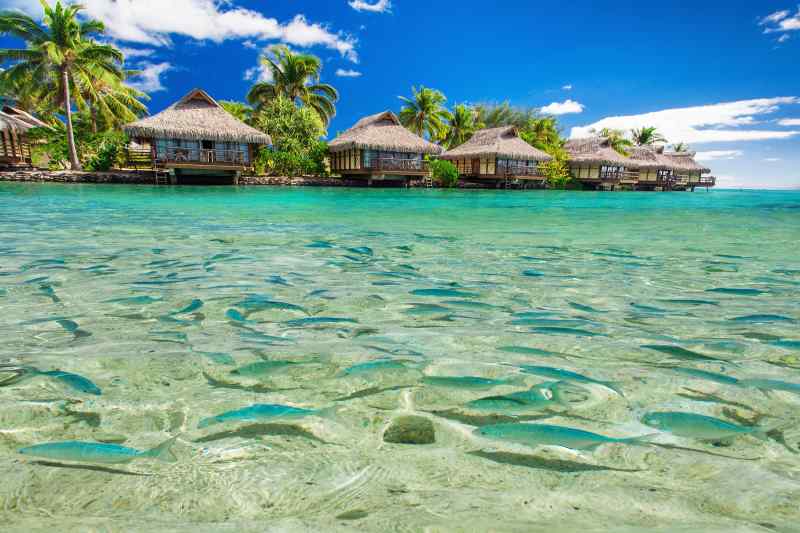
(108, 282)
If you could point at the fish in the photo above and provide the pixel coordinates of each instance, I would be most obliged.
(373, 366)
(361, 250)
(771, 384)
(760, 319)
(562, 322)
(260, 412)
(567, 375)
(737, 291)
(470, 304)
(553, 330)
(682, 353)
(584, 308)
(320, 244)
(47, 290)
(445, 293)
(236, 316)
(254, 304)
(648, 309)
(218, 357)
(700, 427)
(262, 367)
(710, 376)
(95, 452)
(525, 350)
(540, 397)
(193, 306)
(74, 381)
(319, 321)
(70, 326)
(278, 280)
(532, 273)
(549, 435)
(788, 344)
(252, 335)
(471, 382)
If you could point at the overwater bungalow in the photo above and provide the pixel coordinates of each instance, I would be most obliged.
(498, 155)
(379, 148)
(196, 140)
(597, 165)
(15, 149)
(668, 171)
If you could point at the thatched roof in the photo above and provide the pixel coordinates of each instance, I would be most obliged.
(198, 117)
(685, 162)
(503, 143)
(595, 151)
(382, 132)
(27, 120)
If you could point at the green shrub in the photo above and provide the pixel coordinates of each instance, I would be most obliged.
(293, 162)
(98, 152)
(444, 173)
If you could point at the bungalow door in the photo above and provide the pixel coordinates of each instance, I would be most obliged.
(476, 167)
(207, 154)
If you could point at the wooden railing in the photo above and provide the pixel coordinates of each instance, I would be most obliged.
(396, 165)
(203, 156)
(707, 181)
(509, 171)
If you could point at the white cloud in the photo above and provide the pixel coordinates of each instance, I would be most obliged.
(789, 122)
(342, 73)
(149, 80)
(781, 21)
(136, 52)
(783, 38)
(381, 6)
(716, 155)
(774, 18)
(154, 22)
(259, 74)
(721, 122)
(563, 108)
(567, 87)
(773, 159)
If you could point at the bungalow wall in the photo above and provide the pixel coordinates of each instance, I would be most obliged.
(585, 171)
(466, 167)
(648, 175)
(346, 160)
(14, 148)
(192, 150)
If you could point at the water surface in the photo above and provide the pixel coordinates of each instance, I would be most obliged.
(184, 303)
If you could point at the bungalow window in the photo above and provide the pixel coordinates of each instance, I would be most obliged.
(610, 172)
(664, 175)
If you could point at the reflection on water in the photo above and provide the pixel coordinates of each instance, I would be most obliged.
(131, 314)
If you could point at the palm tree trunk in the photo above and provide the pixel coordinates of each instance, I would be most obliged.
(94, 118)
(73, 153)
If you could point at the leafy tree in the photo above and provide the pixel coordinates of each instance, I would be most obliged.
(424, 113)
(60, 55)
(296, 133)
(542, 133)
(239, 110)
(461, 125)
(680, 147)
(557, 170)
(497, 115)
(296, 77)
(110, 102)
(98, 151)
(444, 172)
(647, 136)
(617, 140)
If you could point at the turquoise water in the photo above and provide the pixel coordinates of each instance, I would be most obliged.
(165, 298)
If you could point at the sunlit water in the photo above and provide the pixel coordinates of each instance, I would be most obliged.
(144, 292)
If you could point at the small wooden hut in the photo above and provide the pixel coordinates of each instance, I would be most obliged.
(498, 154)
(196, 137)
(596, 164)
(15, 149)
(668, 171)
(378, 147)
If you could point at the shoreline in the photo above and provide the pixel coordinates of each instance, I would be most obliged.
(139, 177)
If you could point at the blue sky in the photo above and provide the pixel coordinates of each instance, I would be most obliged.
(722, 76)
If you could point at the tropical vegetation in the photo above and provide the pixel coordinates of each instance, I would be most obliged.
(63, 65)
(295, 76)
(648, 136)
(425, 114)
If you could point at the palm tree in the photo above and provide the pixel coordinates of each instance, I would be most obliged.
(543, 133)
(647, 137)
(110, 100)
(617, 140)
(239, 110)
(498, 115)
(424, 113)
(461, 124)
(59, 52)
(680, 147)
(297, 77)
